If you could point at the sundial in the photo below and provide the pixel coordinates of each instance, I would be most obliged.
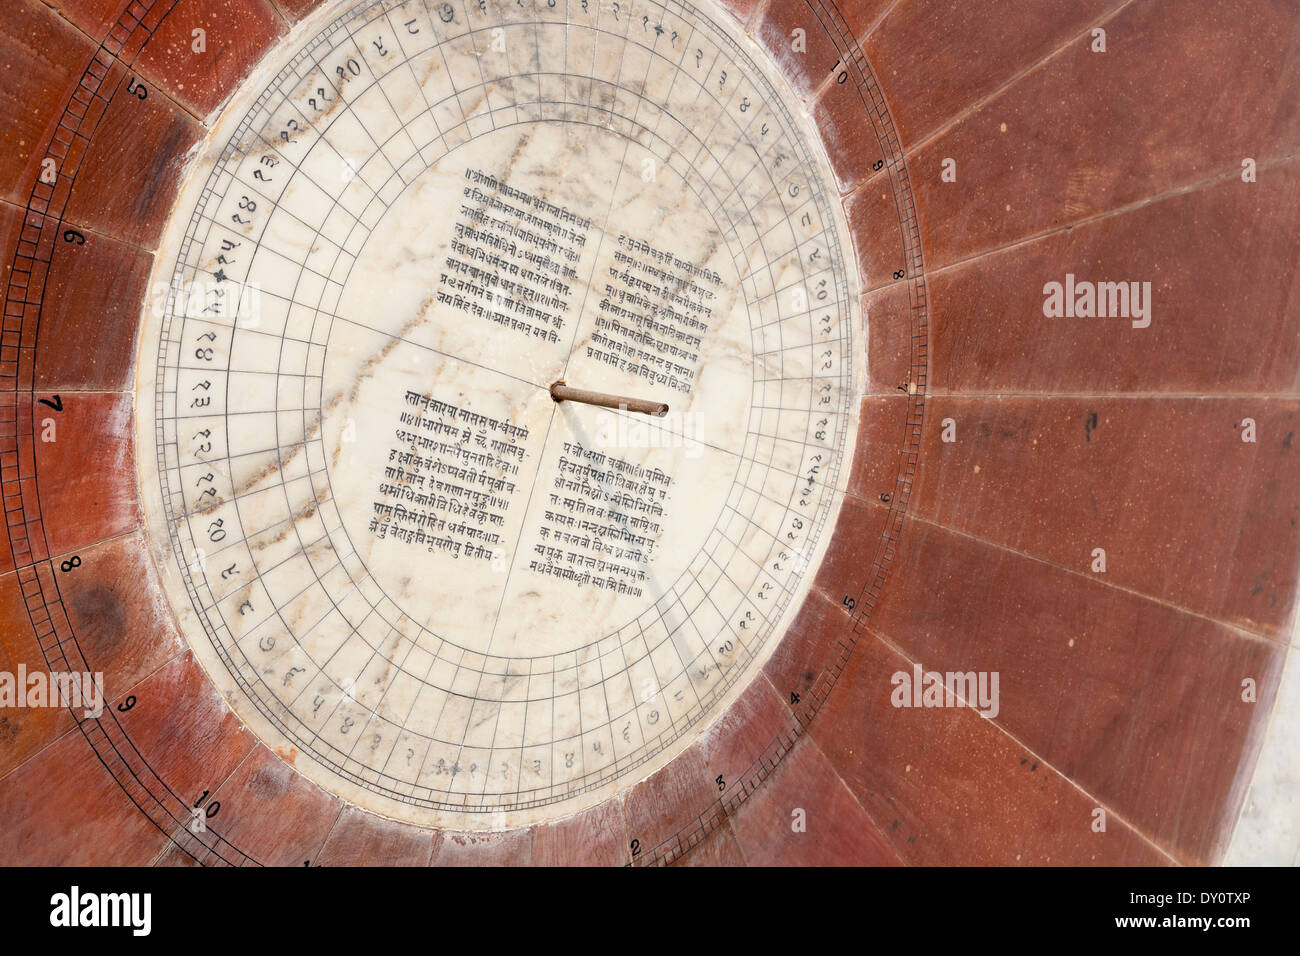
(643, 432)
(496, 396)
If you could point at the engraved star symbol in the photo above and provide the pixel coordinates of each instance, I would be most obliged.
(220, 275)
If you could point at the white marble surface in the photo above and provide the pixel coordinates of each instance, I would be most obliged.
(436, 682)
(1268, 830)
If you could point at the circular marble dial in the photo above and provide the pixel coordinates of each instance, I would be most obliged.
(433, 589)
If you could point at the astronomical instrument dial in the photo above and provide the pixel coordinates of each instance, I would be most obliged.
(434, 589)
(432, 425)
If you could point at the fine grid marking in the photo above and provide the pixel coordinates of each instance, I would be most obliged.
(281, 74)
(511, 73)
(478, 62)
(700, 86)
(442, 53)
(406, 730)
(374, 711)
(537, 46)
(297, 641)
(346, 111)
(348, 107)
(30, 573)
(258, 575)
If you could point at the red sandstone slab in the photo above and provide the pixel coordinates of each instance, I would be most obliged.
(936, 58)
(123, 628)
(595, 837)
(883, 432)
(847, 567)
(733, 748)
(24, 731)
(876, 223)
(806, 816)
(86, 473)
(64, 809)
(273, 813)
(93, 17)
(25, 535)
(472, 848)
(364, 839)
(44, 56)
(669, 802)
(1042, 154)
(852, 141)
(718, 849)
(1137, 703)
(90, 312)
(806, 59)
(295, 10)
(11, 224)
(112, 21)
(205, 848)
(172, 855)
(203, 70)
(183, 728)
(1220, 321)
(129, 178)
(861, 16)
(1185, 510)
(946, 786)
(741, 10)
(888, 317)
(812, 643)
